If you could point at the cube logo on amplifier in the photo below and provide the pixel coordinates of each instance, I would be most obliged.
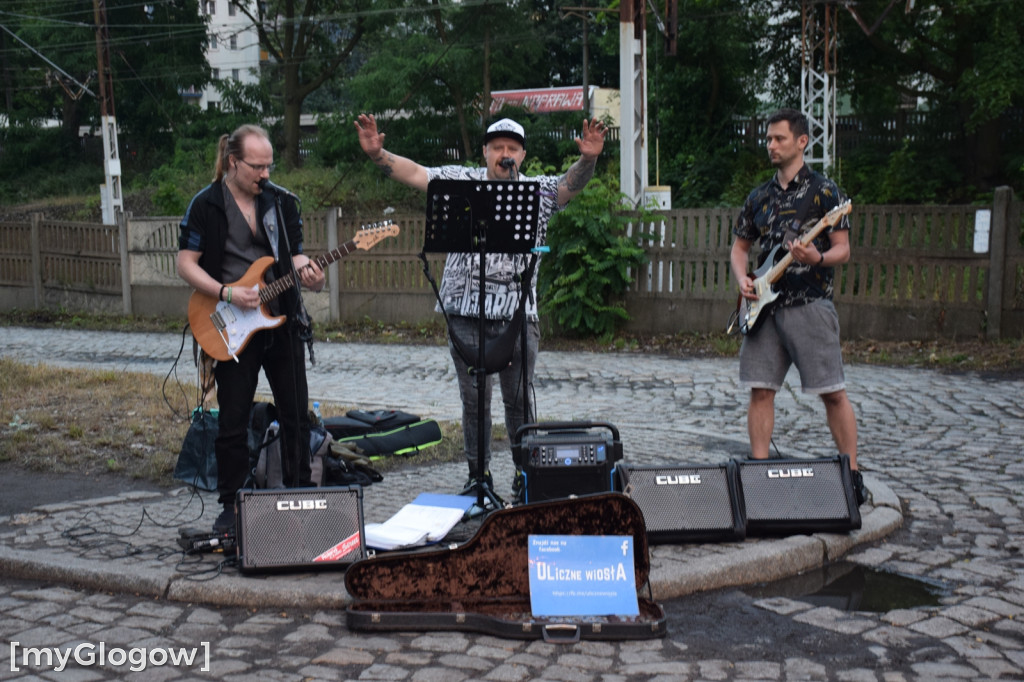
(799, 495)
(687, 503)
(300, 528)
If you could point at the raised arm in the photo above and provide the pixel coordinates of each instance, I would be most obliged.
(576, 178)
(405, 171)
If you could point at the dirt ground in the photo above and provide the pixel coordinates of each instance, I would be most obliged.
(24, 489)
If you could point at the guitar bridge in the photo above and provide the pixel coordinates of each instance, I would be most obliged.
(219, 323)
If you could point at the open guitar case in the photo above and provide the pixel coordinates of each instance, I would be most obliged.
(483, 585)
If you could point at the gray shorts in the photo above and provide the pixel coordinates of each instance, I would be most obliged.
(806, 336)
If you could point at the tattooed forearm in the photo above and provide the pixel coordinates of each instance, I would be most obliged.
(578, 175)
(386, 162)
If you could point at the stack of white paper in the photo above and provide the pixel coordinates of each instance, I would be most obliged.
(427, 519)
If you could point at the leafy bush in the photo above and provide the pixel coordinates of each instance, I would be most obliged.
(583, 278)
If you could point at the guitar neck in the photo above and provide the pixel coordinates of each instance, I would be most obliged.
(776, 270)
(279, 286)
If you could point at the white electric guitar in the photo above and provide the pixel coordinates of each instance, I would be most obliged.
(750, 311)
(223, 329)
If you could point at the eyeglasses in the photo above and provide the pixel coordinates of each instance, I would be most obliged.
(259, 168)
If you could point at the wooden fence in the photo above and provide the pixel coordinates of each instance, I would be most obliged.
(917, 272)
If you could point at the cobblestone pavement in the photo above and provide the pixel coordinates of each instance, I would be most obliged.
(944, 461)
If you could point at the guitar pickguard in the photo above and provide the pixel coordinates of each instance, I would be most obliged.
(235, 326)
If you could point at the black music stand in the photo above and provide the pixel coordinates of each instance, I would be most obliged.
(481, 217)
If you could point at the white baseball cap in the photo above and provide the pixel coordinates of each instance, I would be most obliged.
(506, 127)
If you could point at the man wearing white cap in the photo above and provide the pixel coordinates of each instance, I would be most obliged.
(504, 150)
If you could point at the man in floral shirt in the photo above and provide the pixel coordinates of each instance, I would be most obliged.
(801, 327)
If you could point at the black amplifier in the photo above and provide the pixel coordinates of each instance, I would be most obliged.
(559, 459)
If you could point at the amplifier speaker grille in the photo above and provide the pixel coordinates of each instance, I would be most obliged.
(300, 527)
(799, 495)
(546, 483)
(688, 502)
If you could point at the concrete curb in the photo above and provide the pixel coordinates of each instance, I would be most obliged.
(676, 570)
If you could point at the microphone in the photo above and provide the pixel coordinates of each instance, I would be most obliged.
(510, 165)
(267, 186)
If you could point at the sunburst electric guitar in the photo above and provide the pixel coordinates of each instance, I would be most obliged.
(223, 329)
(751, 312)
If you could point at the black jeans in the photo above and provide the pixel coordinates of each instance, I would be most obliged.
(510, 380)
(280, 354)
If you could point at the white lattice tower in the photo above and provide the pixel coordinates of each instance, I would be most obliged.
(817, 80)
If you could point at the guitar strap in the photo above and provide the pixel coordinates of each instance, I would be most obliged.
(273, 227)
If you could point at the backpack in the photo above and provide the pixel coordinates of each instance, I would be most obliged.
(327, 468)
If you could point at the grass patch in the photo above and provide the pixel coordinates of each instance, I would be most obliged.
(73, 420)
(65, 420)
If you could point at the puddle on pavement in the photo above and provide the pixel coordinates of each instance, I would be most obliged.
(850, 587)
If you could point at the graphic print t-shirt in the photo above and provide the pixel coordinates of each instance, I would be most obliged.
(460, 286)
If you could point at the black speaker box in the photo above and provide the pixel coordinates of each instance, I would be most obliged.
(785, 496)
(561, 459)
(299, 528)
(687, 503)
(551, 483)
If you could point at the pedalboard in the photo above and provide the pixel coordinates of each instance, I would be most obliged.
(195, 541)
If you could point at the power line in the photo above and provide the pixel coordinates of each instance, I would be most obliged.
(43, 57)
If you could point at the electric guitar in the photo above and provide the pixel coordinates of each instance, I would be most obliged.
(223, 330)
(750, 312)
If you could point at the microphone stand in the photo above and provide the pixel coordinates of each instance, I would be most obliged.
(526, 289)
(297, 325)
(461, 218)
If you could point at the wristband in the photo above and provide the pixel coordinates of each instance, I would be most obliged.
(229, 294)
(220, 296)
(822, 260)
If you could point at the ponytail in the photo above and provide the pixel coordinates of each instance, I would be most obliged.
(232, 145)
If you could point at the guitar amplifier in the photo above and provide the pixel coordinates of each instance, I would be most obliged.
(560, 459)
(299, 528)
(783, 496)
(688, 502)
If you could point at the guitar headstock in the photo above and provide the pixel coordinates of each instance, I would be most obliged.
(833, 216)
(368, 235)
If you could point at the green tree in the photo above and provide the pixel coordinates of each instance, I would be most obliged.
(308, 43)
(440, 63)
(963, 60)
(697, 94)
(156, 52)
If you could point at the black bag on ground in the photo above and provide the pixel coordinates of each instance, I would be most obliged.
(197, 461)
(381, 433)
(326, 467)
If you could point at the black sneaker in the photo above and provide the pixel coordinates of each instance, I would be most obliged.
(518, 488)
(859, 488)
(471, 482)
(225, 521)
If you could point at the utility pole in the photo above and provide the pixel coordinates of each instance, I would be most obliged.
(584, 14)
(110, 193)
(817, 79)
(633, 94)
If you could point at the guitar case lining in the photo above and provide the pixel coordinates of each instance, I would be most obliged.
(483, 585)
